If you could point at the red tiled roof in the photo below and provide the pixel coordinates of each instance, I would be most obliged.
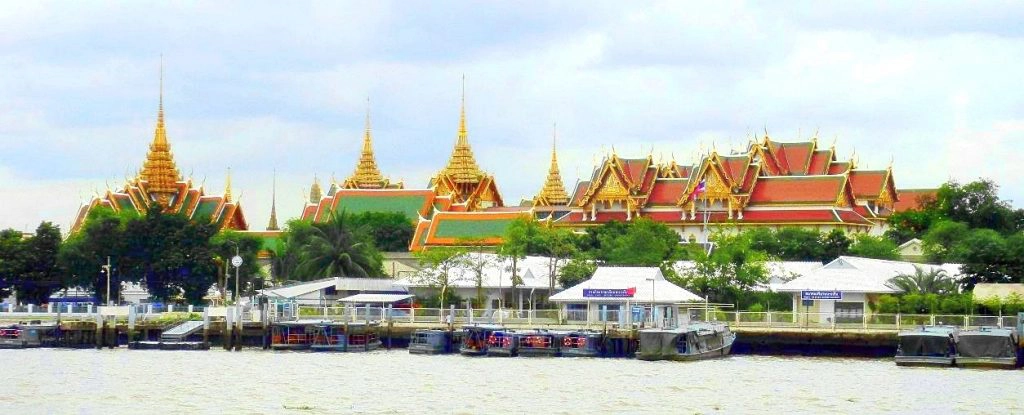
(635, 169)
(736, 167)
(581, 189)
(838, 167)
(913, 198)
(867, 184)
(849, 216)
(797, 156)
(811, 189)
(819, 162)
(667, 191)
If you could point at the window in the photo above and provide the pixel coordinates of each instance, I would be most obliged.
(849, 312)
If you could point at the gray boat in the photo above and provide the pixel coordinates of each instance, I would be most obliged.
(430, 341)
(987, 347)
(927, 346)
(696, 341)
(22, 336)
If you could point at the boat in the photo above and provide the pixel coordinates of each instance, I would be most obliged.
(504, 343)
(581, 344)
(362, 337)
(927, 346)
(696, 341)
(429, 341)
(33, 334)
(474, 339)
(291, 335)
(328, 336)
(992, 347)
(538, 343)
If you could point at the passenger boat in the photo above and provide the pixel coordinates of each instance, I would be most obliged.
(987, 347)
(504, 343)
(581, 344)
(927, 346)
(22, 335)
(10, 338)
(474, 340)
(701, 340)
(291, 335)
(328, 336)
(425, 341)
(362, 337)
(538, 343)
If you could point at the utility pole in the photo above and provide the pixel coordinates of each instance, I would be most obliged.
(106, 269)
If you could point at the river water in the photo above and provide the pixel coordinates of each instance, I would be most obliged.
(263, 382)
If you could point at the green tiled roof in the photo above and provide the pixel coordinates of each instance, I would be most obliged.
(188, 202)
(205, 208)
(456, 228)
(271, 243)
(408, 205)
(125, 203)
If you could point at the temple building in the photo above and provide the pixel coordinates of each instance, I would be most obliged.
(159, 182)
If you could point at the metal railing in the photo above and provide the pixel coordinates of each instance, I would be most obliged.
(818, 321)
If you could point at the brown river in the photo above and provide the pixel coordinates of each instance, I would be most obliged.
(262, 382)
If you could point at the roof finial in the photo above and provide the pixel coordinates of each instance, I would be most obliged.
(462, 112)
(160, 112)
(159, 171)
(366, 174)
(553, 192)
(227, 187)
(272, 226)
(462, 167)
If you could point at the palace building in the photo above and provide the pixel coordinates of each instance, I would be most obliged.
(159, 182)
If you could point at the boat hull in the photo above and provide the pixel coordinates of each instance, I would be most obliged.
(987, 362)
(924, 361)
(472, 352)
(579, 353)
(538, 352)
(289, 346)
(327, 347)
(501, 352)
(710, 354)
(425, 350)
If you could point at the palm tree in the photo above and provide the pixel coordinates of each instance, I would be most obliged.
(336, 249)
(933, 281)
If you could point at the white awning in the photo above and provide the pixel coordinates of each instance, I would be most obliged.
(376, 298)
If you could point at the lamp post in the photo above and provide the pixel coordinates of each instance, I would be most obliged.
(653, 323)
(236, 261)
(106, 270)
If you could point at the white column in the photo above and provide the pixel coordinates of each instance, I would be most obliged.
(49, 308)
(31, 308)
(170, 308)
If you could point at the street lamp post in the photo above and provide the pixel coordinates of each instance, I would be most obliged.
(653, 322)
(106, 270)
(236, 261)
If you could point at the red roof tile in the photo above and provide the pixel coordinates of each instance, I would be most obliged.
(819, 162)
(867, 184)
(913, 198)
(804, 190)
(667, 191)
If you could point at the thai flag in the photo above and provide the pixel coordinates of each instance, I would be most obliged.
(631, 291)
(698, 190)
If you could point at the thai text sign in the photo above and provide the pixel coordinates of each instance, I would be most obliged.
(821, 295)
(609, 292)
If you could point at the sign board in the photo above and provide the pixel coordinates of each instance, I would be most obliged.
(609, 292)
(821, 295)
(236, 261)
(637, 309)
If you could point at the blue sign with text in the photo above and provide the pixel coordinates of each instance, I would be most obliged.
(609, 292)
(821, 295)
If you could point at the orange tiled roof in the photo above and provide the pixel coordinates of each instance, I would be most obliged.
(799, 190)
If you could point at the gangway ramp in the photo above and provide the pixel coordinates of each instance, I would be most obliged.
(181, 331)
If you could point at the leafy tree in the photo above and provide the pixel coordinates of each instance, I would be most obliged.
(285, 256)
(910, 224)
(940, 241)
(933, 281)
(984, 253)
(580, 268)
(978, 205)
(390, 231)
(477, 263)
(84, 252)
(732, 268)
(833, 245)
(799, 244)
(560, 245)
(644, 243)
(438, 271)
(521, 237)
(41, 274)
(877, 247)
(12, 259)
(336, 248)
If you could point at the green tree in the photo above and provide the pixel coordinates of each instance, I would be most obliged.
(732, 268)
(285, 256)
(978, 205)
(877, 247)
(440, 270)
(580, 268)
(41, 274)
(559, 245)
(985, 258)
(521, 237)
(834, 245)
(910, 224)
(941, 239)
(933, 281)
(390, 231)
(12, 260)
(84, 252)
(644, 243)
(336, 248)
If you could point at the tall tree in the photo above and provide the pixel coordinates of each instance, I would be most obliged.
(336, 248)
(12, 260)
(224, 246)
(84, 253)
(41, 274)
(580, 268)
(560, 245)
(521, 237)
(439, 270)
(940, 241)
(834, 244)
(877, 247)
(732, 268)
(390, 231)
(934, 281)
(644, 243)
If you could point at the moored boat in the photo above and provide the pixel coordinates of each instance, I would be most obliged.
(291, 335)
(474, 339)
(328, 336)
(430, 341)
(538, 343)
(10, 338)
(503, 343)
(702, 340)
(581, 344)
(987, 347)
(927, 346)
(28, 335)
(362, 337)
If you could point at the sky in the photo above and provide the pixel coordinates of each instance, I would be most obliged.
(932, 87)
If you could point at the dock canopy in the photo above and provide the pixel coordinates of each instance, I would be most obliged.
(621, 284)
(376, 298)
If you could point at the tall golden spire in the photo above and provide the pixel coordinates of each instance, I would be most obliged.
(315, 194)
(553, 192)
(462, 167)
(159, 171)
(272, 226)
(366, 175)
(227, 188)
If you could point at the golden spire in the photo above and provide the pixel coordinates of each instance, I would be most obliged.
(227, 188)
(366, 175)
(462, 167)
(159, 171)
(553, 192)
(314, 192)
(272, 226)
